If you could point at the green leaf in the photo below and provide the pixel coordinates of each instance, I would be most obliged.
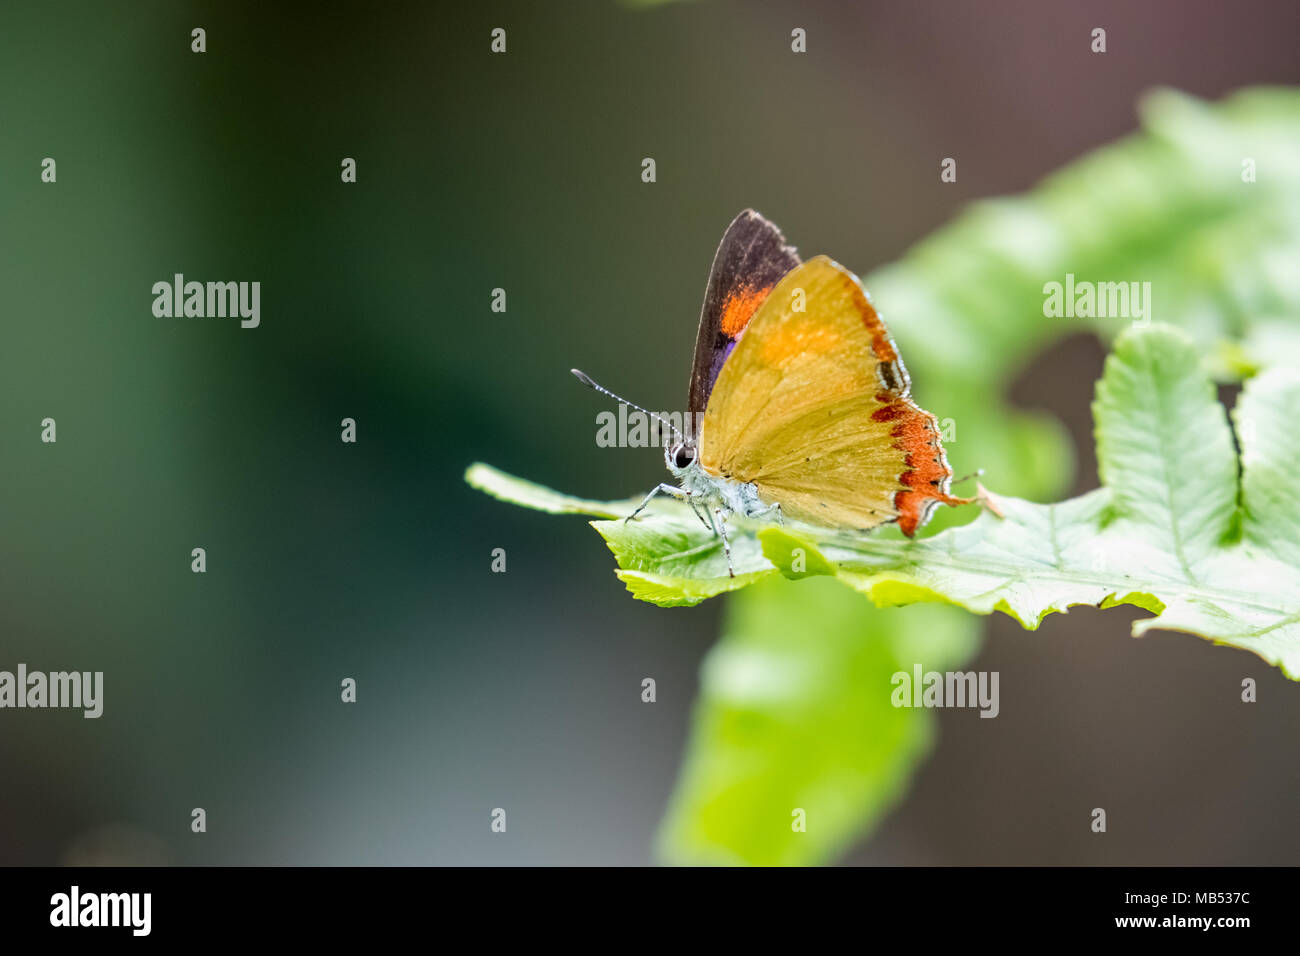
(1164, 448)
(795, 714)
(516, 491)
(1270, 451)
(1165, 532)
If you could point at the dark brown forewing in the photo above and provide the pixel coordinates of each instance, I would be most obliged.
(750, 260)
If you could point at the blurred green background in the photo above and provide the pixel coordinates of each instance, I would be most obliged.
(371, 561)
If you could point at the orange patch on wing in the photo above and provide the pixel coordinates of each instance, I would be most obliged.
(925, 468)
(802, 339)
(740, 308)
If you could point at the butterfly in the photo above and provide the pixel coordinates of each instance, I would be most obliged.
(805, 401)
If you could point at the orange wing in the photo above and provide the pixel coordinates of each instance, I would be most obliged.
(751, 258)
(813, 407)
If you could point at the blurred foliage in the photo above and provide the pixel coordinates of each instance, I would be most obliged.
(797, 715)
(1168, 205)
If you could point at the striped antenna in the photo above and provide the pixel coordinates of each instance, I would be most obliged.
(587, 380)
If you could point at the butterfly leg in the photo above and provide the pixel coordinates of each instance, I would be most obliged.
(780, 515)
(690, 500)
(720, 527)
(662, 489)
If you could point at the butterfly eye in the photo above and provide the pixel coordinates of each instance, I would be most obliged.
(683, 455)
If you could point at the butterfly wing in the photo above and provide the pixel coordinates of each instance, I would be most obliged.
(813, 407)
(751, 258)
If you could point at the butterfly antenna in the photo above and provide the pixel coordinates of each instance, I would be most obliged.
(587, 380)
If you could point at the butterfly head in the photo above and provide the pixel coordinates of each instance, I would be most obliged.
(680, 457)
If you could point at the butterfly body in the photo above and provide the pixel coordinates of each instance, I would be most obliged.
(718, 491)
